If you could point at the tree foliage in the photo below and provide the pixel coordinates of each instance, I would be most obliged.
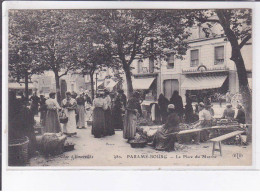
(139, 33)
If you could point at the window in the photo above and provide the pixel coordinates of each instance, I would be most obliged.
(170, 62)
(140, 66)
(219, 55)
(194, 58)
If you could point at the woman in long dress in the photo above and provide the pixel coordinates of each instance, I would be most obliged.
(69, 104)
(81, 111)
(52, 122)
(133, 108)
(117, 119)
(98, 125)
(165, 137)
(108, 119)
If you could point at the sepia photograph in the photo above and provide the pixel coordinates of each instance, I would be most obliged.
(130, 88)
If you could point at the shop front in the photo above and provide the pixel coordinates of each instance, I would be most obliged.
(208, 84)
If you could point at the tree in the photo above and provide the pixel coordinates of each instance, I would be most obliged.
(237, 26)
(55, 42)
(89, 56)
(22, 64)
(142, 33)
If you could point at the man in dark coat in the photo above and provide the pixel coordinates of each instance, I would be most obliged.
(241, 117)
(176, 100)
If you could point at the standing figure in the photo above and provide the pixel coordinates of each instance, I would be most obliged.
(228, 97)
(241, 116)
(52, 122)
(205, 120)
(69, 104)
(122, 97)
(98, 125)
(108, 119)
(34, 103)
(81, 111)
(176, 100)
(117, 118)
(133, 108)
(163, 103)
(155, 113)
(43, 109)
(25, 123)
(188, 110)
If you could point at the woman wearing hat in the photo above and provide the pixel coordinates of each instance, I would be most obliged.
(98, 125)
(52, 123)
(69, 104)
(133, 109)
(165, 137)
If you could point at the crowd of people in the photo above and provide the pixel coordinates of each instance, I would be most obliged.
(112, 111)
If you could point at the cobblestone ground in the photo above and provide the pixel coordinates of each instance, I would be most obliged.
(115, 151)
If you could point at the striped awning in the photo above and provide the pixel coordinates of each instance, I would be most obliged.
(142, 83)
(203, 82)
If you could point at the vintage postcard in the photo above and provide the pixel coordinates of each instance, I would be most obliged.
(120, 87)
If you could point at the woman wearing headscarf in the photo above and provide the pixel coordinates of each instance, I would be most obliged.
(165, 137)
(133, 109)
(163, 103)
(52, 122)
(69, 104)
(117, 118)
(108, 119)
(98, 125)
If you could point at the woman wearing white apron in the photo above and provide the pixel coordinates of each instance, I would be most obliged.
(69, 104)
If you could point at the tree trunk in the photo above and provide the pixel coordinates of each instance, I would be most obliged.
(26, 83)
(244, 88)
(128, 80)
(92, 86)
(57, 80)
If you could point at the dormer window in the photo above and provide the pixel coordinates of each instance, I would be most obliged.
(219, 55)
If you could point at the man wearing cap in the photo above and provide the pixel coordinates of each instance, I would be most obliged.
(229, 112)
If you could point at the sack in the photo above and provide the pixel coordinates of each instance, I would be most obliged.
(63, 117)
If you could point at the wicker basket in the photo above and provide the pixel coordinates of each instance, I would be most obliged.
(18, 152)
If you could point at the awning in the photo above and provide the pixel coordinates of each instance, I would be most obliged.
(111, 85)
(19, 86)
(142, 83)
(249, 82)
(207, 82)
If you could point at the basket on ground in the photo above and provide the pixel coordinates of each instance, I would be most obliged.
(18, 152)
